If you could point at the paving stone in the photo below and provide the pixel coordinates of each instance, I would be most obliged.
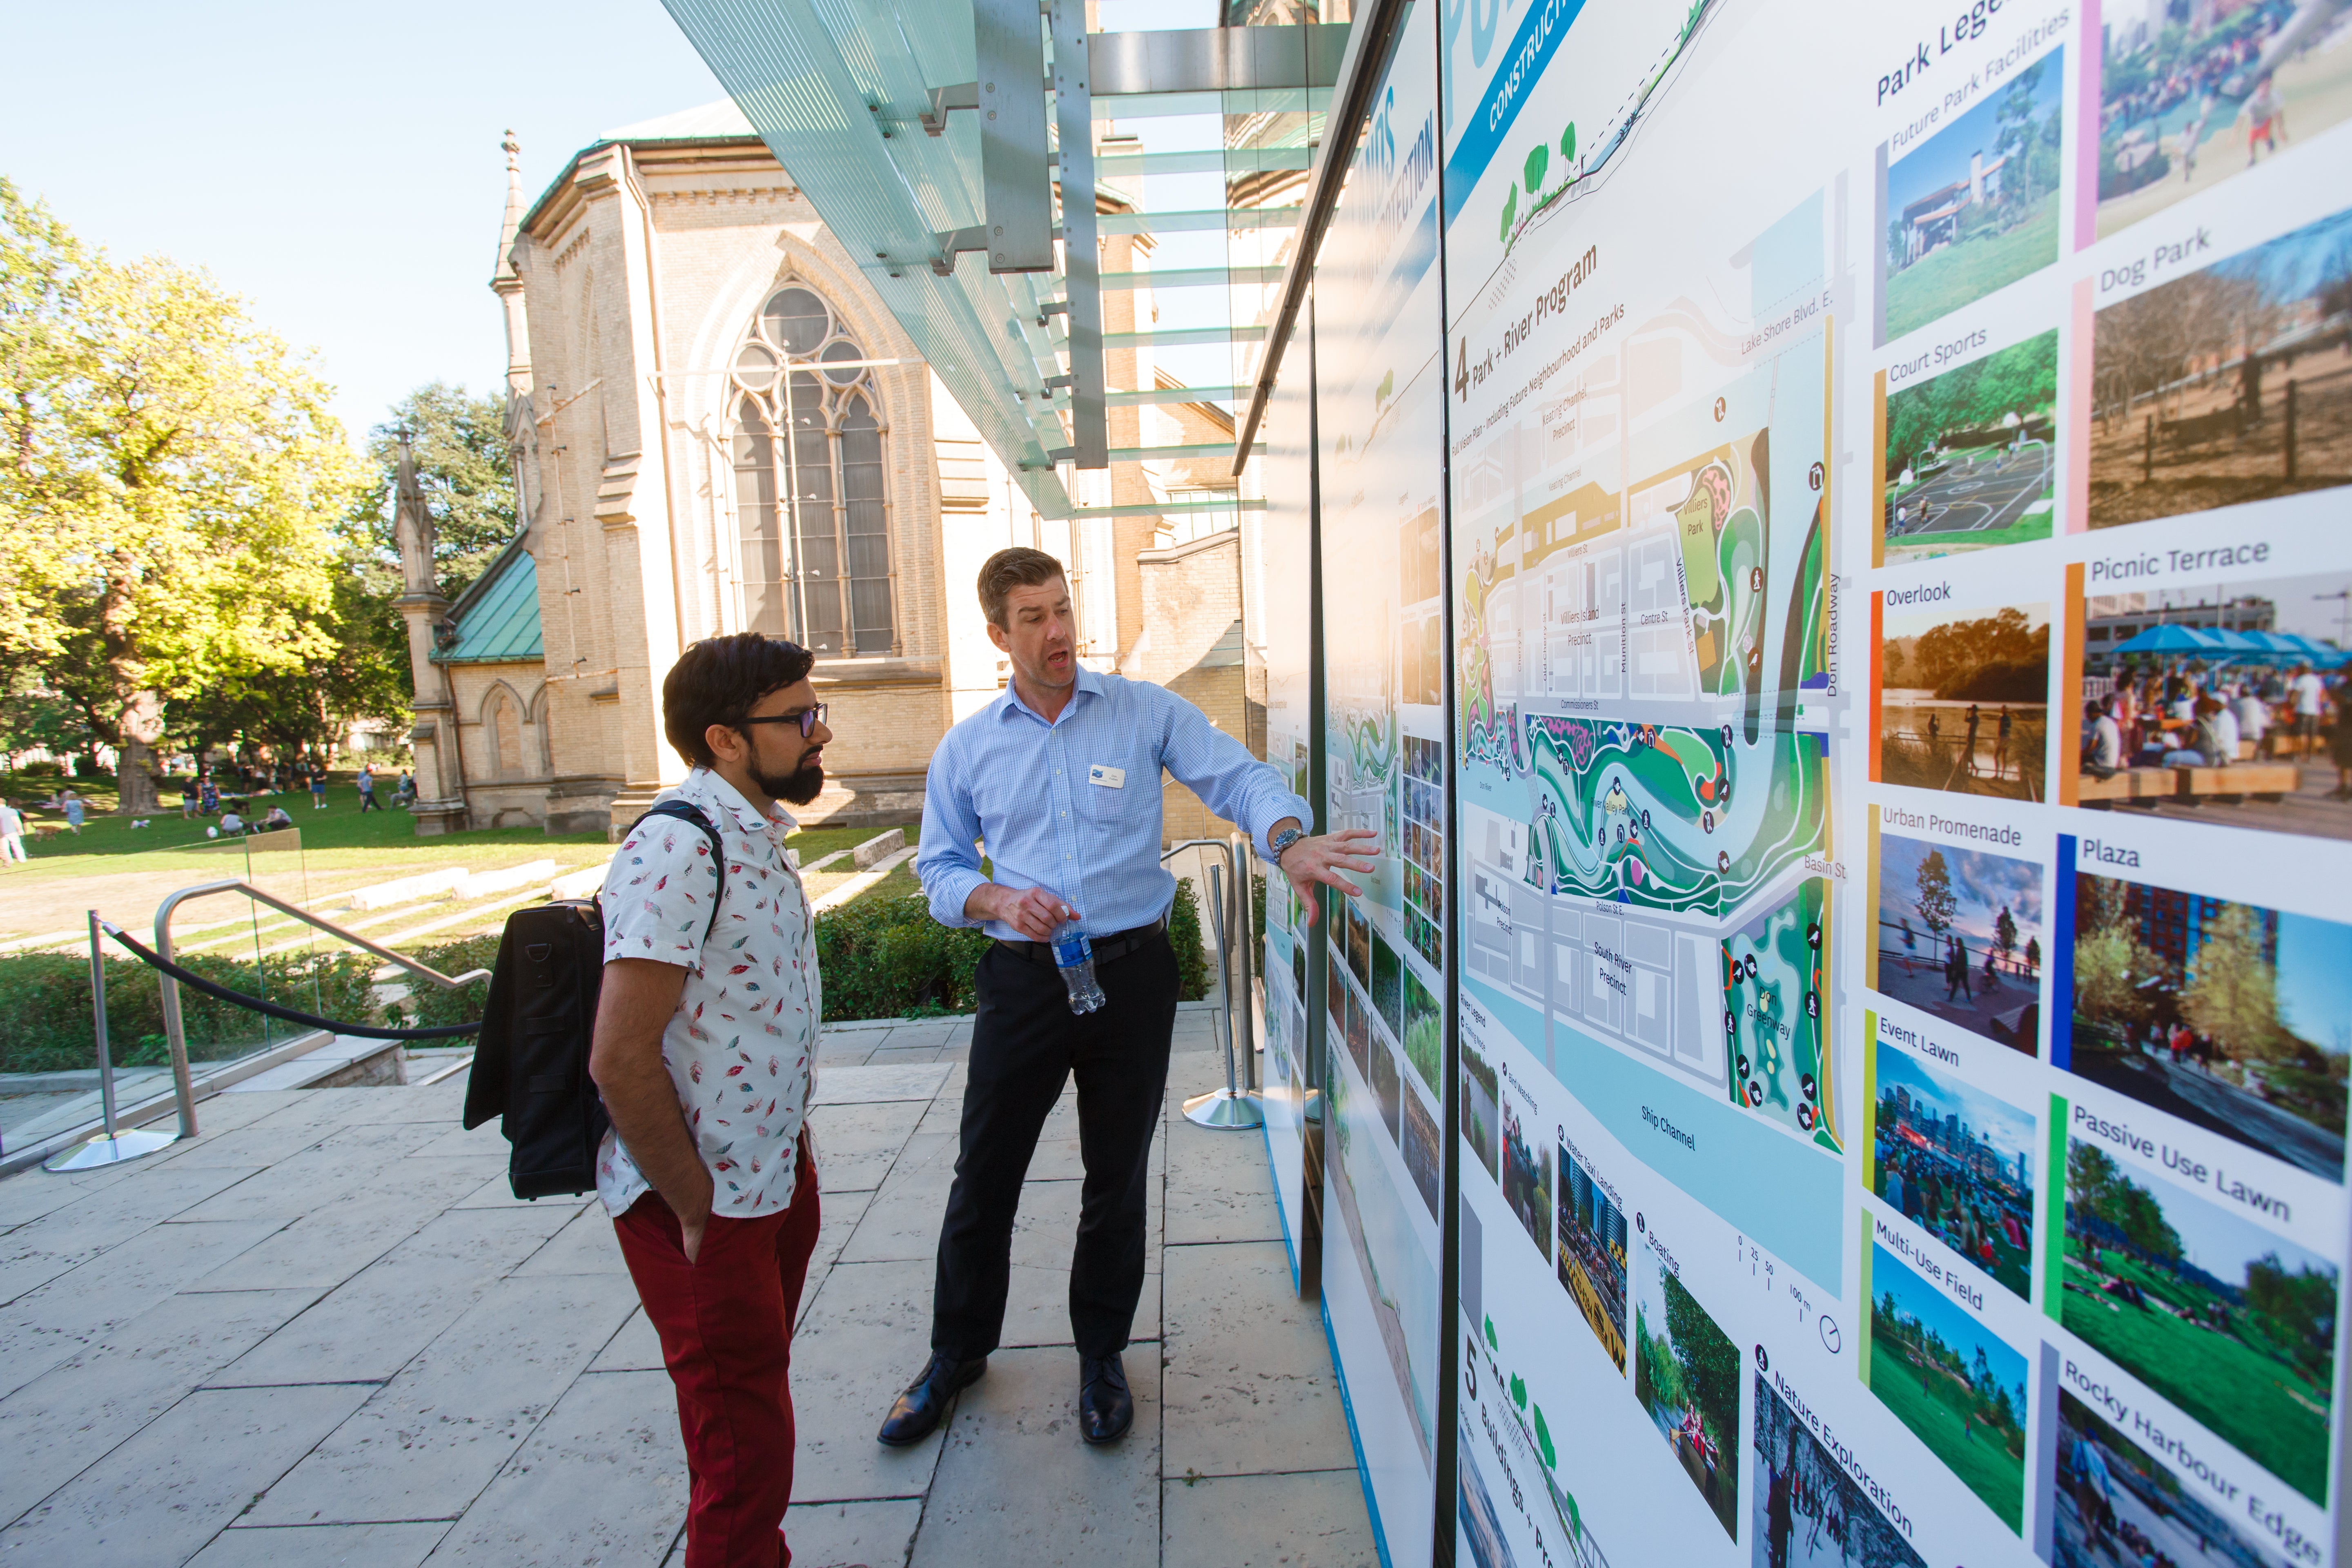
(55, 1323)
(586, 1246)
(1219, 1188)
(862, 1340)
(72, 1416)
(485, 1140)
(1249, 1385)
(853, 1534)
(293, 1186)
(367, 1328)
(902, 1221)
(1037, 1307)
(852, 1086)
(27, 1195)
(635, 1347)
(601, 1481)
(443, 1102)
(1045, 1230)
(427, 1443)
(894, 1055)
(1312, 1519)
(857, 1144)
(33, 1253)
(166, 1492)
(322, 1546)
(1016, 1485)
(251, 1145)
(337, 1239)
(838, 1222)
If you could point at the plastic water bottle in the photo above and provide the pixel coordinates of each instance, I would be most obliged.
(1074, 956)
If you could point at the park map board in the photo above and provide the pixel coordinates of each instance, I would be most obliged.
(1834, 570)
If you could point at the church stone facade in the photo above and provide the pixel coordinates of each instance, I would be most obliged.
(716, 427)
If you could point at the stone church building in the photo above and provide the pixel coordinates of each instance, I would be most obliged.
(716, 427)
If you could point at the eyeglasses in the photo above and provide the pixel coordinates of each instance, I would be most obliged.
(808, 718)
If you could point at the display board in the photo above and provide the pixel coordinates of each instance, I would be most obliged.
(1289, 967)
(1379, 388)
(1897, 554)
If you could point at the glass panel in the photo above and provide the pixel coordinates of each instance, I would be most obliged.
(755, 367)
(764, 570)
(796, 322)
(812, 524)
(867, 527)
(839, 350)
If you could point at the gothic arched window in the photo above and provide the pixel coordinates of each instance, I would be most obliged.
(810, 500)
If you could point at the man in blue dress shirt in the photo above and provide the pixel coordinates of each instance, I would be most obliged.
(1060, 779)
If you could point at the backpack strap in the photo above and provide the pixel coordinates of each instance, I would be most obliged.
(686, 811)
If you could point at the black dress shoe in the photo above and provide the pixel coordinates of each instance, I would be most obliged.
(915, 1413)
(1106, 1409)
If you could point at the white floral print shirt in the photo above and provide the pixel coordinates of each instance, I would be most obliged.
(741, 1046)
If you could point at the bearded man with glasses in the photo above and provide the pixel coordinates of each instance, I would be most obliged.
(705, 1034)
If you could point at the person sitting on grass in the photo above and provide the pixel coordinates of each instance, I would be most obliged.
(231, 823)
(276, 819)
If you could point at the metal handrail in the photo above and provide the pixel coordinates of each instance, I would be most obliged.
(175, 1036)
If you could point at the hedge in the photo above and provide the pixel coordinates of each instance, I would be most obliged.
(880, 959)
(46, 1024)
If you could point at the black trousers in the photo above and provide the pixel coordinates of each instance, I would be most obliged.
(1026, 1044)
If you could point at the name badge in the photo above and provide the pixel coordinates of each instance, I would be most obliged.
(1107, 778)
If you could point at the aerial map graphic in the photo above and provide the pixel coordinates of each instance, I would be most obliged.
(1641, 677)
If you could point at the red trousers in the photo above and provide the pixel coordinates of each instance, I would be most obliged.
(726, 1326)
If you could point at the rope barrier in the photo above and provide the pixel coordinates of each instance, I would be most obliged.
(289, 1015)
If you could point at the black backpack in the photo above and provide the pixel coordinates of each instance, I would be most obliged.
(530, 1063)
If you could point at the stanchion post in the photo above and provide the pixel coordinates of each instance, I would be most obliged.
(1229, 1109)
(98, 1028)
(1237, 850)
(175, 1032)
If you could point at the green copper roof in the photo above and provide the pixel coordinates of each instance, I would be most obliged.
(498, 617)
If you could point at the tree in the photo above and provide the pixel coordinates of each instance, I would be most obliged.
(171, 479)
(2299, 1309)
(2004, 931)
(2114, 970)
(2232, 999)
(1936, 904)
(1709, 1365)
(460, 448)
(2033, 953)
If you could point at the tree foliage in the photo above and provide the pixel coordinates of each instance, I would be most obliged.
(1997, 658)
(2232, 997)
(1975, 399)
(1935, 903)
(2115, 971)
(169, 485)
(460, 450)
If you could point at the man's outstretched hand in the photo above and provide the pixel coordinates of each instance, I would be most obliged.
(1325, 860)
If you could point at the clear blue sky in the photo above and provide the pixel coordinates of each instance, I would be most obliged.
(336, 165)
(339, 167)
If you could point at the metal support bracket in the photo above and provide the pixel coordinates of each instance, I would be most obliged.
(963, 95)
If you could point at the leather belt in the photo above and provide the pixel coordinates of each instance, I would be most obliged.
(1117, 945)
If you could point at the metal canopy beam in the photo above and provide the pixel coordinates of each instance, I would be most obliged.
(1017, 195)
(1081, 261)
(1217, 60)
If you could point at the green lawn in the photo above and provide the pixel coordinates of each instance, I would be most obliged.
(1981, 1460)
(1960, 274)
(1927, 546)
(2250, 1399)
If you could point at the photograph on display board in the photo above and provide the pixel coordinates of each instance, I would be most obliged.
(1424, 1032)
(1481, 1120)
(1359, 1031)
(1335, 992)
(2231, 1322)
(1805, 1509)
(1388, 984)
(1774, 1008)
(1958, 1387)
(1527, 1178)
(1964, 700)
(1686, 1374)
(2230, 385)
(2185, 103)
(1400, 1278)
(1974, 207)
(1956, 1162)
(2229, 703)
(1422, 1149)
(1960, 937)
(2229, 1016)
(1592, 1255)
(1971, 455)
(1359, 946)
(1482, 1521)
(1424, 849)
(2118, 1506)
(1386, 1087)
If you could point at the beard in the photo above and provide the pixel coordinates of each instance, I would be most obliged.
(794, 788)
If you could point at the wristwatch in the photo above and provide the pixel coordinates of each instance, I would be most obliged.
(1282, 841)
